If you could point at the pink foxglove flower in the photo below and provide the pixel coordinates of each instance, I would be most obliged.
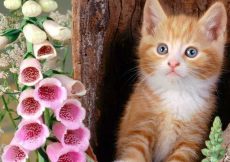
(76, 139)
(30, 72)
(57, 153)
(31, 134)
(28, 107)
(44, 50)
(74, 87)
(50, 93)
(14, 153)
(70, 113)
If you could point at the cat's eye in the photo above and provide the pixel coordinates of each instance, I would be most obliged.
(162, 49)
(191, 52)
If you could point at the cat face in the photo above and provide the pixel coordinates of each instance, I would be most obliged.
(182, 47)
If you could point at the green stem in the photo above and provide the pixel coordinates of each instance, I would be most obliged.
(46, 116)
(29, 47)
(65, 57)
(16, 80)
(9, 113)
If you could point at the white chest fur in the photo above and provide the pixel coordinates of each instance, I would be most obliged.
(183, 98)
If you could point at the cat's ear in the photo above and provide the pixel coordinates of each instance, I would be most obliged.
(214, 21)
(153, 15)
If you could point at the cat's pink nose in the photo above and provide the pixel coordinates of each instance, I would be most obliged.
(173, 64)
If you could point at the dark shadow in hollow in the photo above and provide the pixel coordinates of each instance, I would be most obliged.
(223, 91)
(119, 78)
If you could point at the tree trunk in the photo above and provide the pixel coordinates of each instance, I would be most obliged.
(105, 36)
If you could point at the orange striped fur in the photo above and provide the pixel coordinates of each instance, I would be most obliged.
(168, 115)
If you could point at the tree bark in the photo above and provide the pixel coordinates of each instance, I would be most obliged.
(105, 35)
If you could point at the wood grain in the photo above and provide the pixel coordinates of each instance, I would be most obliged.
(106, 33)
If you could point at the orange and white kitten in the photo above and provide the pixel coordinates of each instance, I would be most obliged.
(180, 59)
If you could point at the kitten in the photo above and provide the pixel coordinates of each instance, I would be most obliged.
(180, 59)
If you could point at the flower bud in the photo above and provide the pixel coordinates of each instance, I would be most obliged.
(12, 4)
(56, 31)
(44, 50)
(3, 41)
(34, 34)
(48, 5)
(31, 9)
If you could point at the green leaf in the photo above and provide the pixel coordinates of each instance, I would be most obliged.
(24, 88)
(214, 151)
(205, 152)
(208, 144)
(41, 19)
(47, 117)
(2, 115)
(43, 154)
(11, 34)
(40, 158)
(28, 55)
(18, 118)
(50, 73)
(205, 160)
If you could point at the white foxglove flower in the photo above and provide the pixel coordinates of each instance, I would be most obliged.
(34, 34)
(31, 9)
(57, 31)
(48, 5)
(12, 4)
(3, 41)
(44, 50)
(74, 87)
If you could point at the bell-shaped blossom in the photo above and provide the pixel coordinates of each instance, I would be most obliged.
(3, 41)
(44, 50)
(50, 93)
(30, 72)
(34, 34)
(48, 5)
(12, 4)
(31, 134)
(57, 153)
(70, 113)
(76, 139)
(14, 153)
(28, 107)
(31, 9)
(56, 31)
(74, 87)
